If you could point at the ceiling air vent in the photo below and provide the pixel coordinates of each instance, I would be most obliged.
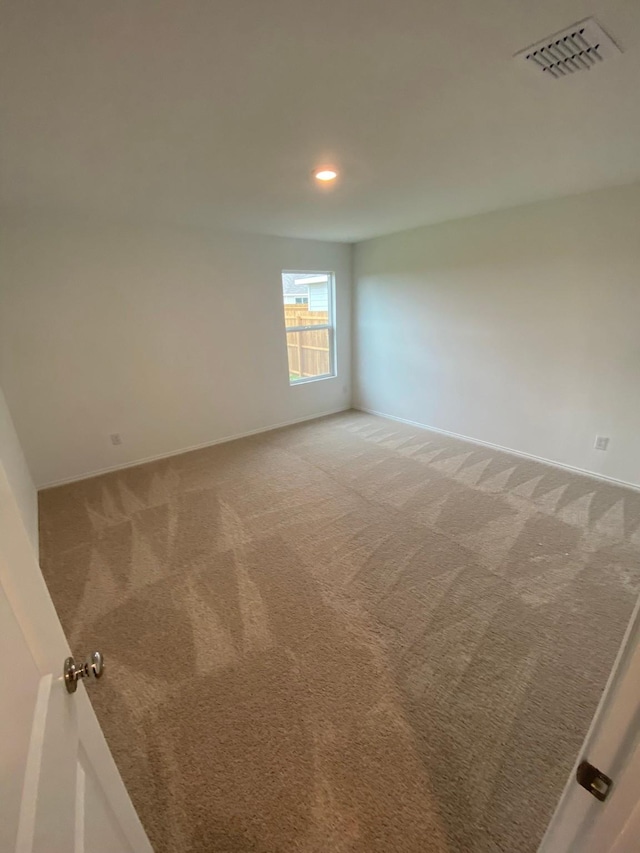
(577, 48)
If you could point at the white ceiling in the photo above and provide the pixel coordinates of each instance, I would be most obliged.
(214, 112)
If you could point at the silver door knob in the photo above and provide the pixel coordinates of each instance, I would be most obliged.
(92, 668)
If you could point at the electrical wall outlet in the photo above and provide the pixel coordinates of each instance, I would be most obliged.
(602, 442)
(115, 438)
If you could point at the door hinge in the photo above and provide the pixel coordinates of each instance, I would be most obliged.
(593, 780)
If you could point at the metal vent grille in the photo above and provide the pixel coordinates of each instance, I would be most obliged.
(577, 48)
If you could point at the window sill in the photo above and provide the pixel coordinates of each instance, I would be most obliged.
(308, 379)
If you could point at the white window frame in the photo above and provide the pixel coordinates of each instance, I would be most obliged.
(317, 327)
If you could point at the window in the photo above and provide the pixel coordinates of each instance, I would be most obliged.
(309, 320)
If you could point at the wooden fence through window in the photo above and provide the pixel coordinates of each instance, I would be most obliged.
(308, 351)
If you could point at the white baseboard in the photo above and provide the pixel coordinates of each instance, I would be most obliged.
(584, 471)
(134, 464)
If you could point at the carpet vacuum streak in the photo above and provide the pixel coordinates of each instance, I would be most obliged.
(345, 636)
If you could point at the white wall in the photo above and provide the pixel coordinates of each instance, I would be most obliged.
(520, 328)
(172, 338)
(15, 466)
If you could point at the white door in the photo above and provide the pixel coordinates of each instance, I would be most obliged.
(582, 823)
(60, 790)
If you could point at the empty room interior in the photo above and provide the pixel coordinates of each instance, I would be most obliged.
(319, 425)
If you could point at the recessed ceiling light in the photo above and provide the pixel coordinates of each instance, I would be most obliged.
(325, 175)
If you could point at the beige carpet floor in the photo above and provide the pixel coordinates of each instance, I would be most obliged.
(347, 636)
